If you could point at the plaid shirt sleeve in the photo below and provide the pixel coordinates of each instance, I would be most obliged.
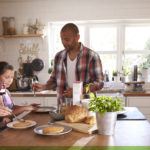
(96, 73)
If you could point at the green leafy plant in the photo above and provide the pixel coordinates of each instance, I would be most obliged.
(88, 93)
(115, 73)
(104, 104)
(50, 69)
(146, 63)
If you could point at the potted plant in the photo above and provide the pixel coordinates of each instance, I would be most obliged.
(106, 108)
(50, 69)
(145, 68)
(114, 75)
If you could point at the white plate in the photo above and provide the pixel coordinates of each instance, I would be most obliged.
(45, 109)
(122, 111)
(10, 125)
(39, 130)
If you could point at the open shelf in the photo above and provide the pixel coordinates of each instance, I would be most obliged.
(20, 36)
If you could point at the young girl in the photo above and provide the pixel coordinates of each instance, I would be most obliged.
(6, 78)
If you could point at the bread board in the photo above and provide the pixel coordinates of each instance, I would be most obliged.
(81, 127)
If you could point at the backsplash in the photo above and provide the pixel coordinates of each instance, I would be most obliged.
(15, 50)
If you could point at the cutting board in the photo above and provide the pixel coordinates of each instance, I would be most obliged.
(81, 127)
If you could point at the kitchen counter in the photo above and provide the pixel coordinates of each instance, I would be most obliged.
(124, 136)
(47, 93)
(145, 93)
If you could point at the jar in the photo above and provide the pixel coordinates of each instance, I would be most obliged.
(5, 24)
(11, 29)
(25, 29)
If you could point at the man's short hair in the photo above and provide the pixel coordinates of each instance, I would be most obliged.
(70, 26)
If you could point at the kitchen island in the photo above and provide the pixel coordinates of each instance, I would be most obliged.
(127, 133)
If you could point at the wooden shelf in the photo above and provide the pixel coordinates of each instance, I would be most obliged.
(20, 36)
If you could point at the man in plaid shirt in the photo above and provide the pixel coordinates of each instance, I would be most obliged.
(75, 63)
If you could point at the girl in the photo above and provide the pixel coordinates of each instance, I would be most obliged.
(6, 78)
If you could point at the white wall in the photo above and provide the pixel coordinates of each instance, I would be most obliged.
(63, 10)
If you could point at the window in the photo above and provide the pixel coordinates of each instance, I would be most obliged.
(117, 43)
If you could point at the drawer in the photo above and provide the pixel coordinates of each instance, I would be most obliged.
(140, 101)
(145, 110)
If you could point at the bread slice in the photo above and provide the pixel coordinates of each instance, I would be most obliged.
(52, 129)
(22, 124)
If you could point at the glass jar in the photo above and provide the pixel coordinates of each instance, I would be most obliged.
(11, 29)
(5, 24)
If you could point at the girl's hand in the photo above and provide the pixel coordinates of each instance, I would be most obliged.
(35, 105)
(6, 120)
(4, 111)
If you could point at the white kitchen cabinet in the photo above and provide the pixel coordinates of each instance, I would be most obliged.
(44, 101)
(141, 102)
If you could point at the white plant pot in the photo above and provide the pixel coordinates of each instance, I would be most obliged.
(106, 123)
(146, 75)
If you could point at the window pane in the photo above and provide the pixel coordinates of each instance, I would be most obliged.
(108, 63)
(137, 38)
(103, 38)
(129, 63)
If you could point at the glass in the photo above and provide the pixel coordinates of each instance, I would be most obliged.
(109, 62)
(34, 80)
(64, 102)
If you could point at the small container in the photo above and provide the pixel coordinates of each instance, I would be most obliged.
(25, 29)
(5, 24)
(11, 29)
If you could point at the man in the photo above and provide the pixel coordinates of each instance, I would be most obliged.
(75, 63)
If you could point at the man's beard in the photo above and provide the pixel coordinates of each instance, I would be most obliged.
(68, 48)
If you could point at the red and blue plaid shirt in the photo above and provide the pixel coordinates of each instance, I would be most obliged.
(88, 70)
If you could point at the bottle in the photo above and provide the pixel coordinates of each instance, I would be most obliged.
(135, 73)
(106, 76)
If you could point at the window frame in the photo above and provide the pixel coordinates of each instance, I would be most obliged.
(120, 38)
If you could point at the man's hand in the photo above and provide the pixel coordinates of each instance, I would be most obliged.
(68, 93)
(38, 87)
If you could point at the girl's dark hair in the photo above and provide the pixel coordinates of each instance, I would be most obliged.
(70, 26)
(5, 66)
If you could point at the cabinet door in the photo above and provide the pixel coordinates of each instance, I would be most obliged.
(44, 101)
(27, 100)
(51, 101)
(142, 103)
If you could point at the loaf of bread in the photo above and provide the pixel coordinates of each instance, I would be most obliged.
(89, 120)
(52, 129)
(75, 113)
